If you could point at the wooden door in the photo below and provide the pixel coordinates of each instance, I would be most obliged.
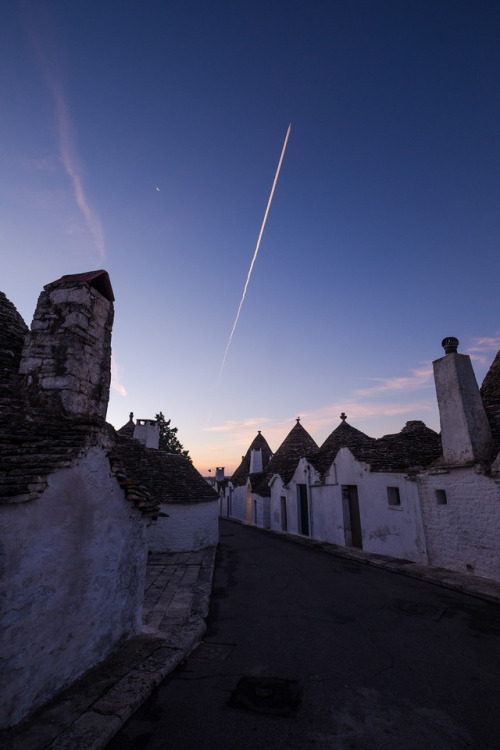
(352, 519)
(303, 509)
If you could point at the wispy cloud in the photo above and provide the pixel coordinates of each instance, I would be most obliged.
(482, 348)
(116, 384)
(42, 34)
(235, 426)
(319, 423)
(421, 377)
(327, 416)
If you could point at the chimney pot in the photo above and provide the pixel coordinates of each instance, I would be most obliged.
(450, 344)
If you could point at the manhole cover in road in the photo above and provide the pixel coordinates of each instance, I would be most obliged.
(211, 651)
(417, 609)
(266, 695)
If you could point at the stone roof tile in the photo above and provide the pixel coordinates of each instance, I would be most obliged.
(416, 446)
(168, 477)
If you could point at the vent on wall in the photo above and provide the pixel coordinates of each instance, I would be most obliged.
(441, 497)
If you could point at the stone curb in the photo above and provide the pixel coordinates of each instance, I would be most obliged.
(95, 728)
(481, 588)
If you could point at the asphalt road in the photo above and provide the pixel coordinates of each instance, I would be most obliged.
(308, 650)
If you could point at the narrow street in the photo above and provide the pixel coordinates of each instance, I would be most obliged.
(306, 649)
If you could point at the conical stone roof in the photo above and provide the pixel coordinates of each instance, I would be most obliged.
(343, 436)
(297, 444)
(13, 330)
(242, 473)
(490, 394)
(128, 429)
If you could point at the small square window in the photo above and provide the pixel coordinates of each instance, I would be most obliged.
(393, 497)
(441, 497)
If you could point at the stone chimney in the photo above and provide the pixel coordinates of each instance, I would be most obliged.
(147, 431)
(66, 358)
(465, 431)
(256, 461)
(219, 473)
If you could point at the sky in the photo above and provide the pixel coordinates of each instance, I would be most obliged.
(144, 138)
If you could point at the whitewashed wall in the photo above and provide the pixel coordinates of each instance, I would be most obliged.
(189, 527)
(237, 503)
(464, 534)
(72, 574)
(389, 530)
(304, 474)
(395, 530)
(277, 491)
(261, 511)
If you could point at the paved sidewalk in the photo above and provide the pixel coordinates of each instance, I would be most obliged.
(88, 714)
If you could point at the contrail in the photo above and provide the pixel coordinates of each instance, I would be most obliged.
(255, 253)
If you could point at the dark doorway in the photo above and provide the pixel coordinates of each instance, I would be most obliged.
(303, 509)
(352, 520)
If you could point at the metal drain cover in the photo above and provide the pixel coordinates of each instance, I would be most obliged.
(211, 651)
(266, 695)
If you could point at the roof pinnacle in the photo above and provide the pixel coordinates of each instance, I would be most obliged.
(343, 417)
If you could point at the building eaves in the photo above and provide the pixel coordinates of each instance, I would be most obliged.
(31, 450)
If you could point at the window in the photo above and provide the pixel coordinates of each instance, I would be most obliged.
(393, 497)
(441, 497)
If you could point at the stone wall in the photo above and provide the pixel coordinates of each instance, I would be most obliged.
(71, 582)
(463, 534)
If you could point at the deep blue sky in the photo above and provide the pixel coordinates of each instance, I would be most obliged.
(382, 237)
